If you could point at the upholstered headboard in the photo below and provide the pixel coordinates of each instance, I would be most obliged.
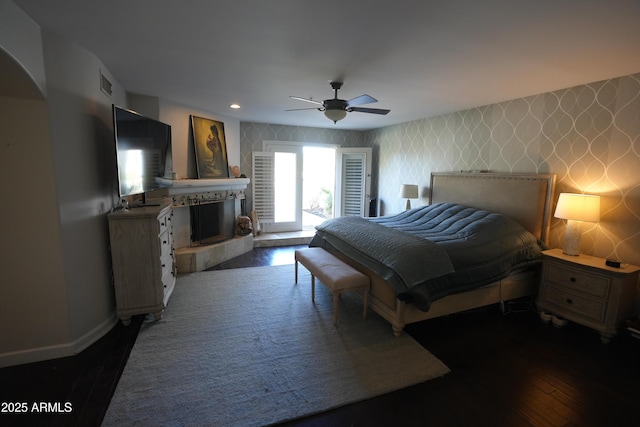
(526, 198)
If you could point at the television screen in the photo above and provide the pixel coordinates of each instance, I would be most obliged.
(143, 148)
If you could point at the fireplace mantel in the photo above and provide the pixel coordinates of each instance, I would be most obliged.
(189, 186)
(187, 192)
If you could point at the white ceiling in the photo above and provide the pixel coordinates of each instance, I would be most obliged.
(418, 58)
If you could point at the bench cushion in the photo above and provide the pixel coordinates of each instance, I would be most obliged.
(331, 271)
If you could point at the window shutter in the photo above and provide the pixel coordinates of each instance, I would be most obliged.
(263, 186)
(353, 184)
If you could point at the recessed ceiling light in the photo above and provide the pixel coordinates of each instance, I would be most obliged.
(235, 106)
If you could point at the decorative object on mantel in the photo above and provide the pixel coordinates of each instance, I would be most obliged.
(576, 208)
(211, 148)
(244, 226)
(235, 170)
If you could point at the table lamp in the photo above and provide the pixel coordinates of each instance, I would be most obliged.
(408, 191)
(576, 208)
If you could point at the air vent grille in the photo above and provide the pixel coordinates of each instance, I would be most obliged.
(105, 85)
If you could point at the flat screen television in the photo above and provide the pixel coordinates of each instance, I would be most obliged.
(143, 149)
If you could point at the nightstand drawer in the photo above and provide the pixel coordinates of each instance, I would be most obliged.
(580, 281)
(586, 307)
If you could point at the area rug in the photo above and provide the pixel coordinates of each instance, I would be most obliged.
(247, 347)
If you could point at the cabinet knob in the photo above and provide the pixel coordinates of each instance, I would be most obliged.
(572, 279)
(569, 301)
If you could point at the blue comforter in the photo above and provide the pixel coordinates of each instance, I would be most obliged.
(480, 247)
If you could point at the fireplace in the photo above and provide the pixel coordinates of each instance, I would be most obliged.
(212, 222)
(214, 240)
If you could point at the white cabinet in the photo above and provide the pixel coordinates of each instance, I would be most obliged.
(142, 255)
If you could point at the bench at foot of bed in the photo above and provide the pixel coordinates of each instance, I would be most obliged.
(336, 275)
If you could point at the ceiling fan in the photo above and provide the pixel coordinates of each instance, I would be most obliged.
(336, 109)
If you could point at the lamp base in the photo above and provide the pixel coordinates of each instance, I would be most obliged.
(408, 205)
(572, 238)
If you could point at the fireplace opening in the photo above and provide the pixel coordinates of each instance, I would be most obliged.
(212, 222)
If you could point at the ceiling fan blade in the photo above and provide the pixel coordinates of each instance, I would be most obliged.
(310, 108)
(306, 100)
(360, 100)
(369, 110)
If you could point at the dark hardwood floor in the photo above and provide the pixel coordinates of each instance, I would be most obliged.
(506, 370)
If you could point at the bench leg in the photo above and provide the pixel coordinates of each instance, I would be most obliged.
(313, 288)
(336, 297)
(296, 264)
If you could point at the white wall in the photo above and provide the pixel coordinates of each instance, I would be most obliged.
(82, 139)
(57, 159)
(20, 38)
(178, 116)
(184, 164)
(33, 307)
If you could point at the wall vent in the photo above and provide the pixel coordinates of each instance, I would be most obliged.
(105, 85)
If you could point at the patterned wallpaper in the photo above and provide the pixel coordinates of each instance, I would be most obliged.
(588, 135)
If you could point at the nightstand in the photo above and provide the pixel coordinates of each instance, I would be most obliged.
(584, 290)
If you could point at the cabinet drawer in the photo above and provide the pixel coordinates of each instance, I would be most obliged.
(164, 222)
(584, 283)
(586, 307)
(165, 244)
(168, 283)
(166, 262)
(168, 279)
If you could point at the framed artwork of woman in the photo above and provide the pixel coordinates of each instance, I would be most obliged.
(211, 148)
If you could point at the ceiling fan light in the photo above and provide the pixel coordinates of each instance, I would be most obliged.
(335, 115)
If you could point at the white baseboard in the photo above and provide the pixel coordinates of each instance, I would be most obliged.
(31, 355)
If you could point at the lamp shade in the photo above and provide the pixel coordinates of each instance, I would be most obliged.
(578, 207)
(409, 191)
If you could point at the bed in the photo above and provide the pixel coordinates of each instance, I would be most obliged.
(438, 259)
